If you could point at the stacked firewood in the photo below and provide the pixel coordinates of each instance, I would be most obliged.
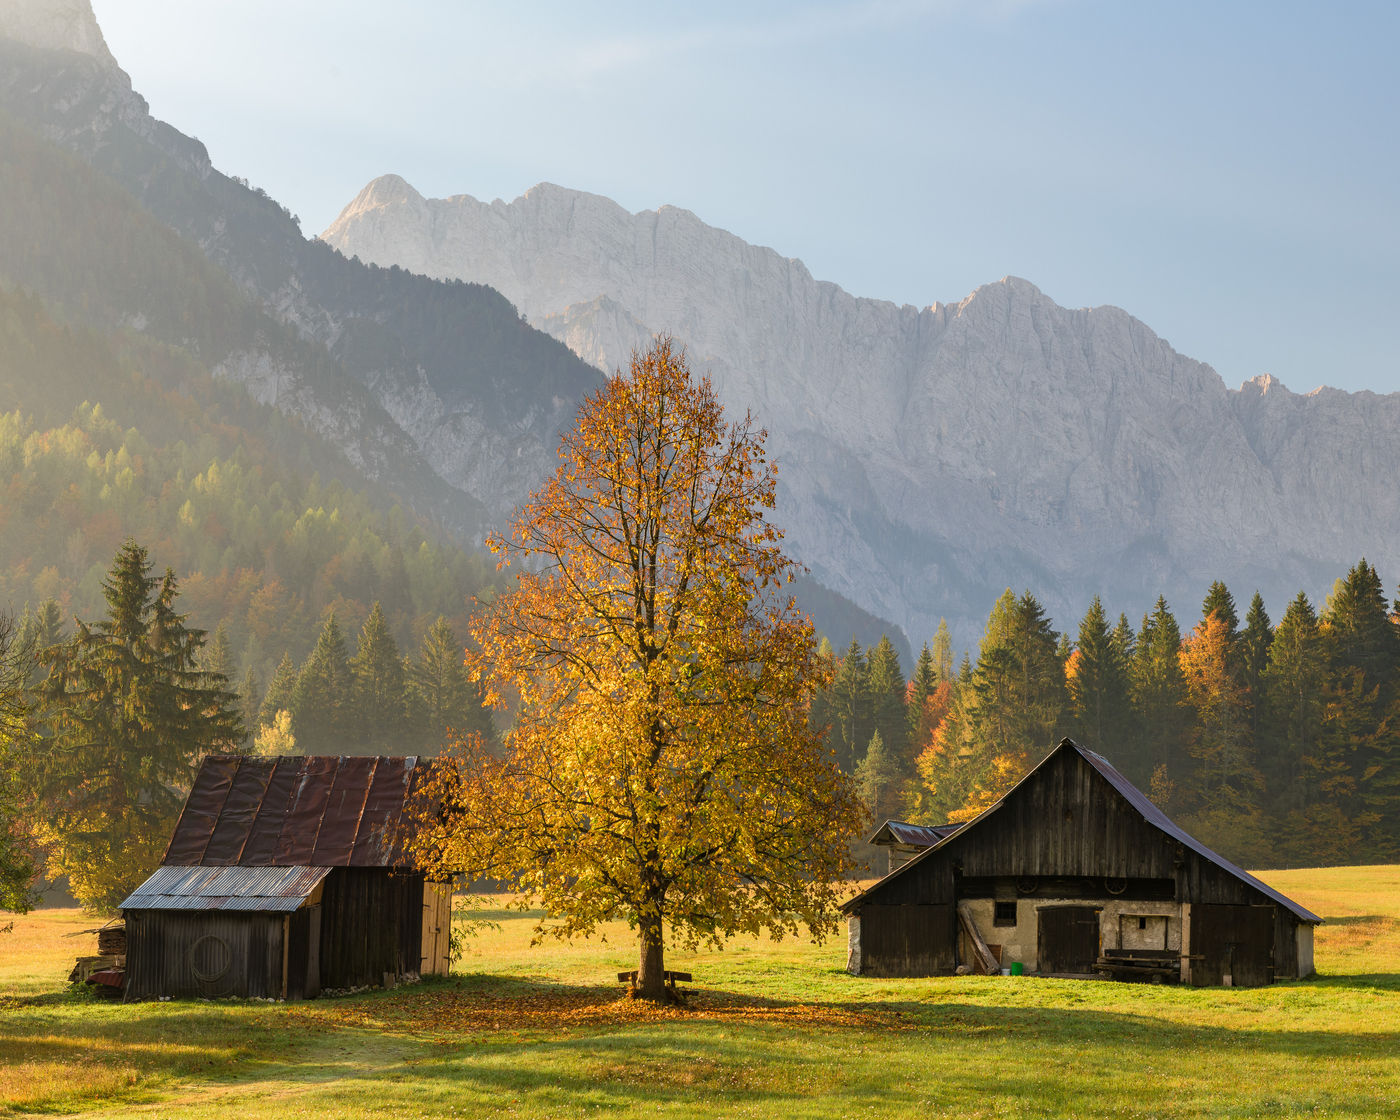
(106, 971)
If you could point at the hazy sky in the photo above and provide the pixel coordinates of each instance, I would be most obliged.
(1225, 171)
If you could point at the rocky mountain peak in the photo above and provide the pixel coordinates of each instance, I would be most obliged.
(55, 25)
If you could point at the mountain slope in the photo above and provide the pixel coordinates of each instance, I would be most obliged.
(930, 457)
(438, 392)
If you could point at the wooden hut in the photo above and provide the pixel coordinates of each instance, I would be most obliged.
(1076, 873)
(286, 877)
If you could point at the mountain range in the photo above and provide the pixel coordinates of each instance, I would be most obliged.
(930, 457)
(438, 393)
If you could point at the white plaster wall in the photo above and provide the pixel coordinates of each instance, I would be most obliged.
(1019, 942)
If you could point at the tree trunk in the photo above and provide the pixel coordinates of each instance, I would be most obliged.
(651, 977)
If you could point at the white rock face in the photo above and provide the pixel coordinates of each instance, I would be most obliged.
(928, 458)
(55, 25)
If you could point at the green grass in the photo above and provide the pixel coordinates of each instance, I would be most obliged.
(771, 1031)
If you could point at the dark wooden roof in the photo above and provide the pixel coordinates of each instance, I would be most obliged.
(912, 835)
(313, 811)
(1139, 802)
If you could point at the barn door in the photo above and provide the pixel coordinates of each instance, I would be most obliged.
(1068, 939)
(1232, 941)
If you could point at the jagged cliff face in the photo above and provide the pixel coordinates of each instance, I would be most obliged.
(931, 457)
(67, 25)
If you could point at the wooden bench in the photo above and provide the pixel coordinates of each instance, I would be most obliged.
(1156, 965)
(670, 978)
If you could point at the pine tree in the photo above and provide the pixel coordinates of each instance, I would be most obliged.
(280, 692)
(851, 708)
(1221, 603)
(1097, 676)
(378, 692)
(1365, 672)
(1294, 688)
(129, 712)
(942, 651)
(218, 654)
(879, 778)
(322, 712)
(1253, 650)
(17, 864)
(446, 698)
(887, 711)
(921, 687)
(1159, 702)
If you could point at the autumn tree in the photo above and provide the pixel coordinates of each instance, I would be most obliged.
(660, 768)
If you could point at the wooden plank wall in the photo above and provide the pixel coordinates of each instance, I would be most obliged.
(203, 954)
(437, 927)
(371, 924)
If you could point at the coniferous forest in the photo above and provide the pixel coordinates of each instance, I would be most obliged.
(1275, 743)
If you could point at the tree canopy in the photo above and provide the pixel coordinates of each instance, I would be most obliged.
(660, 768)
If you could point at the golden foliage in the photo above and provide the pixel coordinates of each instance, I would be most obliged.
(660, 766)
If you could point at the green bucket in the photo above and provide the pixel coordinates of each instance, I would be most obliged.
(1017, 968)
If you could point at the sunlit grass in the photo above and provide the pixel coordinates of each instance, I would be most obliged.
(771, 1030)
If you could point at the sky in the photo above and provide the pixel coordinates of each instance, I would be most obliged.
(1228, 172)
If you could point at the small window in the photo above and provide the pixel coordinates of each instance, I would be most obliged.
(1142, 923)
(1005, 914)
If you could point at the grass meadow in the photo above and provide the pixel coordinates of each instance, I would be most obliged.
(772, 1030)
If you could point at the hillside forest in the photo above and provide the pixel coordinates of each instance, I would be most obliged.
(1274, 744)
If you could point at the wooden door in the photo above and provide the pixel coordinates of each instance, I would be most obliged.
(1068, 939)
(1234, 942)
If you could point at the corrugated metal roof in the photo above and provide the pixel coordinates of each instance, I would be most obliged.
(917, 835)
(262, 889)
(314, 811)
(1134, 797)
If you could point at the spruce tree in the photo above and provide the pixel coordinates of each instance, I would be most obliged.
(280, 691)
(850, 708)
(1365, 665)
(1253, 650)
(322, 712)
(1159, 703)
(17, 865)
(1098, 685)
(378, 691)
(1294, 685)
(447, 700)
(942, 651)
(879, 778)
(129, 712)
(1221, 603)
(887, 702)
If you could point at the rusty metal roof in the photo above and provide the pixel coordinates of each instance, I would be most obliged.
(313, 811)
(1134, 797)
(913, 835)
(261, 889)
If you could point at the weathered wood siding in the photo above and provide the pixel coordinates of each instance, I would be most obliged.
(371, 924)
(1068, 834)
(203, 954)
(908, 940)
(1232, 941)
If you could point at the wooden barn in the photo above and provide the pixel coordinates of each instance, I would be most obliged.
(286, 877)
(1075, 873)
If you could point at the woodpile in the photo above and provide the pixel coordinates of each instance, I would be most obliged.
(106, 971)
